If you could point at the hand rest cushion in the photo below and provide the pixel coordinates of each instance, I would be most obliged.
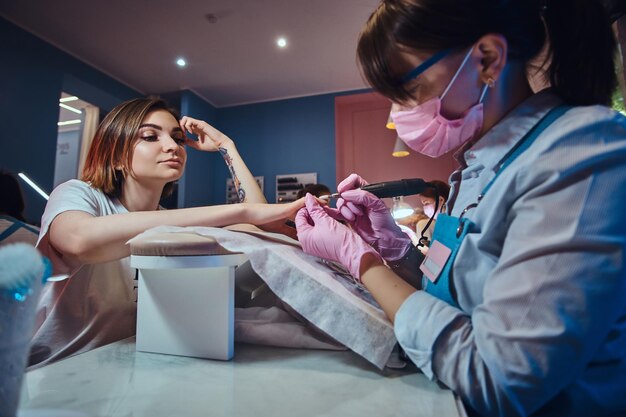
(177, 244)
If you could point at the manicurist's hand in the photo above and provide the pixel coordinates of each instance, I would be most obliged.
(209, 138)
(323, 236)
(370, 218)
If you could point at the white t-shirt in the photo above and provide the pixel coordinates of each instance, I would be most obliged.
(96, 305)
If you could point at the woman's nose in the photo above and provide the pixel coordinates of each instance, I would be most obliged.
(169, 144)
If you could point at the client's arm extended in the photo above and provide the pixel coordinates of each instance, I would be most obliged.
(86, 239)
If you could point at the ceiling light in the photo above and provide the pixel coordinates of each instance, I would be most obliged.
(69, 122)
(399, 149)
(181, 62)
(33, 185)
(390, 123)
(281, 42)
(66, 99)
(70, 108)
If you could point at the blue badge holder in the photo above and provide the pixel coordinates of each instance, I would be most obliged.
(449, 231)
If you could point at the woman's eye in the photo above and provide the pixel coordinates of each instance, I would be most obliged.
(179, 141)
(150, 138)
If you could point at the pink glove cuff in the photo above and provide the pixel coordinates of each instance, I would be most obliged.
(395, 249)
(354, 263)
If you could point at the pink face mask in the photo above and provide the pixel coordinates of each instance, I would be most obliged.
(429, 210)
(426, 131)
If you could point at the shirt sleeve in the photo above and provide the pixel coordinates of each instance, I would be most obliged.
(555, 293)
(69, 196)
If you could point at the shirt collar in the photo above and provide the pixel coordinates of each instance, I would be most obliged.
(501, 138)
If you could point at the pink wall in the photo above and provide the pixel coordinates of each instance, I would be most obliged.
(364, 144)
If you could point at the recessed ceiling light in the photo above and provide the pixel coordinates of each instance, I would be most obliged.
(66, 99)
(181, 62)
(281, 42)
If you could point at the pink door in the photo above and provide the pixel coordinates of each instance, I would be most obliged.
(364, 144)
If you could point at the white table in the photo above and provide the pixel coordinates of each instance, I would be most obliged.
(115, 380)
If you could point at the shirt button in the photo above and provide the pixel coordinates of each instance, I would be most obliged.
(474, 174)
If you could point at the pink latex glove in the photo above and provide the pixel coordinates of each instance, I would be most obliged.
(323, 236)
(371, 219)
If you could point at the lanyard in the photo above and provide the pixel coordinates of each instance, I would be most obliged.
(451, 231)
(519, 148)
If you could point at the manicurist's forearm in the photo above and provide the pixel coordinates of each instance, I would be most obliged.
(387, 288)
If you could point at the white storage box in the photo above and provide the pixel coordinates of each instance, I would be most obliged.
(185, 303)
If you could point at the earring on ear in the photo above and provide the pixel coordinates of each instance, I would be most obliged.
(119, 170)
(491, 82)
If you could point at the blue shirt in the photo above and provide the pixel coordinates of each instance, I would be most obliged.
(541, 282)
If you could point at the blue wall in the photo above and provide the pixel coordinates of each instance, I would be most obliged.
(195, 186)
(281, 137)
(32, 75)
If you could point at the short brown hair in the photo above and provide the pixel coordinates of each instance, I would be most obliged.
(315, 189)
(581, 49)
(438, 189)
(111, 151)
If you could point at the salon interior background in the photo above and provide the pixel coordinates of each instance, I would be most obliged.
(282, 118)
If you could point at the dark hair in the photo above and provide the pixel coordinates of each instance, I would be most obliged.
(12, 201)
(615, 8)
(439, 188)
(113, 144)
(581, 50)
(315, 189)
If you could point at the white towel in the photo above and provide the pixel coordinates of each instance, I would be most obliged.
(319, 292)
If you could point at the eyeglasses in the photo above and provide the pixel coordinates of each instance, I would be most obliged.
(415, 72)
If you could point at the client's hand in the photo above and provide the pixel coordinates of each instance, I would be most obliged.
(209, 138)
(263, 213)
(371, 219)
(323, 236)
(280, 226)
